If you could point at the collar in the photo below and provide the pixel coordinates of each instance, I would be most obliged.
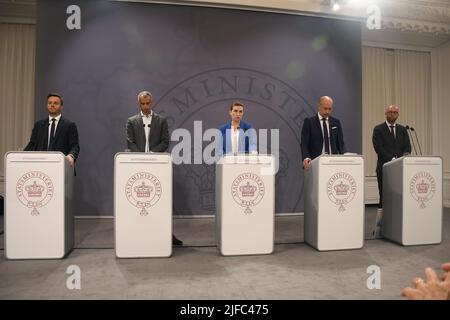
(320, 117)
(149, 116)
(231, 125)
(57, 118)
(389, 125)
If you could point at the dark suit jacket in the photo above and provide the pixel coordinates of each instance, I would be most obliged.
(66, 137)
(159, 134)
(312, 138)
(246, 142)
(388, 148)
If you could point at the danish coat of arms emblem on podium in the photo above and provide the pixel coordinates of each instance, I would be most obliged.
(247, 190)
(35, 190)
(143, 190)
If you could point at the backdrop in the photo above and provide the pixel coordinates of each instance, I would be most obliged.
(195, 61)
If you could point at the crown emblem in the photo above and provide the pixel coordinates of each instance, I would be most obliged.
(341, 189)
(35, 190)
(422, 187)
(248, 190)
(143, 191)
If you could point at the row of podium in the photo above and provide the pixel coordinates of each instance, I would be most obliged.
(39, 221)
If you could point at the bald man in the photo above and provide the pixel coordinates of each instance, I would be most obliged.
(390, 141)
(314, 130)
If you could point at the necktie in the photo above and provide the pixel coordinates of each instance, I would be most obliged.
(392, 131)
(395, 142)
(52, 135)
(325, 136)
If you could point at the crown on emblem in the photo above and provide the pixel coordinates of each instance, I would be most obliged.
(422, 187)
(341, 189)
(143, 190)
(35, 190)
(248, 190)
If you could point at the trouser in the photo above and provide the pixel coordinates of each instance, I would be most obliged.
(380, 187)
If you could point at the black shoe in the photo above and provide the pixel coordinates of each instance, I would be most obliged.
(176, 242)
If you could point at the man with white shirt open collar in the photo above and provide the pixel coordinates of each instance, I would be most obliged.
(148, 132)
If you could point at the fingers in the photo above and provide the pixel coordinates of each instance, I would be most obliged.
(412, 294)
(431, 289)
(446, 278)
(306, 164)
(417, 283)
(70, 160)
(446, 266)
(431, 275)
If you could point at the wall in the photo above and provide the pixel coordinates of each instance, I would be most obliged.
(441, 112)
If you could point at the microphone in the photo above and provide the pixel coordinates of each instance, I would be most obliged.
(417, 140)
(411, 138)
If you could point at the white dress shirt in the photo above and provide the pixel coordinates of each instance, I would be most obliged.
(235, 139)
(147, 120)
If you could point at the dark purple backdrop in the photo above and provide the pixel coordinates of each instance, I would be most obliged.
(195, 61)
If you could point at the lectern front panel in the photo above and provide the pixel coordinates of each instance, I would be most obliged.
(422, 194)
(246, 205)
(35, 209)
(143, 205)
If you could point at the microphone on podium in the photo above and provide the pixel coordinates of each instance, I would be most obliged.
(411, 138)
(417, 139)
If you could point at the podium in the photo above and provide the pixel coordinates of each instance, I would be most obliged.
(38, 208)
(412, 200)
(245, 204)
(334, 202)
(143, 204)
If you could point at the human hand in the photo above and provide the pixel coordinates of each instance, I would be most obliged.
(306, 163)
(70, 159)
(431, 289)
(446, 268)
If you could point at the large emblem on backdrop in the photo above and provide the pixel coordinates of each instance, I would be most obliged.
(270, 104)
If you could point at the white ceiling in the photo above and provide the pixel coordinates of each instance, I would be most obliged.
(424, 23)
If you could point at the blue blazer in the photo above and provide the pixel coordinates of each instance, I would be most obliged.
(312, 138)
(247, 140)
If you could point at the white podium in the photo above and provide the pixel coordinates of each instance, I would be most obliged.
(38, 206)
(412, 200)
(245, 204)
(143, 204)
(334, 202)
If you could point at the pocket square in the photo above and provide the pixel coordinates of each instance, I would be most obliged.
(332, 128)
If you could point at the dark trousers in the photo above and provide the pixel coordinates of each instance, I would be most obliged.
(380, 187)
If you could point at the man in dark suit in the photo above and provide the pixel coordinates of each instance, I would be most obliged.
(148, 132)
(390, 141)
(55, 133)
(317, 127)
(236, 134)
